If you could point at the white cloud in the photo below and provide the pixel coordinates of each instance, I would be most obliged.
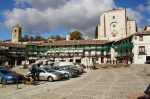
(148, 20)
(47, 15)
(134, 15)
(141, 7)
(42, 4)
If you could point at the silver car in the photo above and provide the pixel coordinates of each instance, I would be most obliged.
(50, 75)
(66, 70)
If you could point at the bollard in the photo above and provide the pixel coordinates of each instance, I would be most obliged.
(17, 81)
(2, 80)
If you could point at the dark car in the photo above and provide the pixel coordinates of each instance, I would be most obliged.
(147, 62)
(8, 76)
(65, 70)
(3, 67)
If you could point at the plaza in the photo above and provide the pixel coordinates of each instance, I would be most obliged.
(112, 83)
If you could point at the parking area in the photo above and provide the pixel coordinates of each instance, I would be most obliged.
(112, 83)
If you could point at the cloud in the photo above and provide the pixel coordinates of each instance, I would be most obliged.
(142, 8)
(45, 16)
(134, 15)
(148, 20)
(42, 4)
(146, 8)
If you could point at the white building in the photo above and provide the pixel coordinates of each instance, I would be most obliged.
(115, 24)
(141, 48)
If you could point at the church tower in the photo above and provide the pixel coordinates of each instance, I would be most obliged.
(115, 24)
(16, 33)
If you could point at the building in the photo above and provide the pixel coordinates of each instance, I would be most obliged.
(114, 24)
(141, 46)
(118, 41)
(16, 33)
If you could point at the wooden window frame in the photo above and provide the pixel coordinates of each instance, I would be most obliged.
(140, 38)
(142, 50)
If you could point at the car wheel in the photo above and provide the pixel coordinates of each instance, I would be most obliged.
(50, 79)
(4, 82)
(66, 75)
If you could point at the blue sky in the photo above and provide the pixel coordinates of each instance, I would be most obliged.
(60, 17)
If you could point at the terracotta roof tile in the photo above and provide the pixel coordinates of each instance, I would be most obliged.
(12, 45)
(1, 48)
(74, 42)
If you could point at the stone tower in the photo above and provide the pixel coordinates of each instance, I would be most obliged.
(16, 33)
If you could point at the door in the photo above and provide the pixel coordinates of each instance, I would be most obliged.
(102, 59)
(42, 75)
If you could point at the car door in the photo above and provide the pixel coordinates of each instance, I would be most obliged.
(42, 74)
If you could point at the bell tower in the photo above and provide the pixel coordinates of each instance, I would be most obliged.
(16, 33)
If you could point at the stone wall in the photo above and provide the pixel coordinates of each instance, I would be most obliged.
(141, 67)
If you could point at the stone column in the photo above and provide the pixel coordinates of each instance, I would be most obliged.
(16, 62)
(99, 60)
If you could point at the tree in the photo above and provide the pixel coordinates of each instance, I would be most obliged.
(26, 38)
(21, 39)
(96, 32)
(39, 38)
(75, 35)
(31, 38)
(58, 38)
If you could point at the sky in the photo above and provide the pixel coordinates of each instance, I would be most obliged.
(60, 17)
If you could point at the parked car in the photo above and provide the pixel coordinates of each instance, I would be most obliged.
(23, 66)
(7, 76)
(147, 62)
(45, 65)
(66, 70)
(79, 69)
(4, 67)
(50, 75)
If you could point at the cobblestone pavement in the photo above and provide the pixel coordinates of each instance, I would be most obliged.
(113, 83)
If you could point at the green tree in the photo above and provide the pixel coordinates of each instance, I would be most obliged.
(38, 38)
(75, 35)
(31, 38)
(58, 38)
(21, 39)
(26, 38)
(96, 32)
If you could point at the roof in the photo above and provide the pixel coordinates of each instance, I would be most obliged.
(74, 42)
(113, 10)
(131, 20)
(142, 33)
(34, 43)
(123, 38)
(146, 27)
(1, 48)
(137, 33)
(12, 45)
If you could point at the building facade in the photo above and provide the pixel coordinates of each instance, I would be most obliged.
(117, 41)
(115, 24)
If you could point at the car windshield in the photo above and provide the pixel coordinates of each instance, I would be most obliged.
(49, 70)
(73, 66)
(65, 67)
(6, 71)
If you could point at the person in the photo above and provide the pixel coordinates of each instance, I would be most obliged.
(37, 73)
(33, 72)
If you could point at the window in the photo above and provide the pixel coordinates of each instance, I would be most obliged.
(141, 50)
(113, 17)
(114, 25)
(140, 38)
(15, 30)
